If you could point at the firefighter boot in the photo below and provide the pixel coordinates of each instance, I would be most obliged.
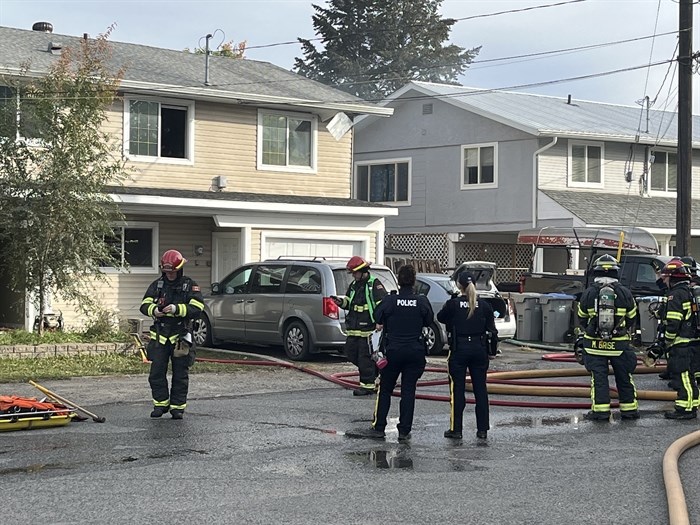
(177, 413)
(159, 411)
(597, 416)
(453, 434)
(681, 414)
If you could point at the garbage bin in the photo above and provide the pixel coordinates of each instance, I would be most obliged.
(647, 322)
(528, 313)
(556, 317)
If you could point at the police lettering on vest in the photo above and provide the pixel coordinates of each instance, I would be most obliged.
(406, 302)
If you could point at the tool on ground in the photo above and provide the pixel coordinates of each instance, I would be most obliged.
(141, 347)
(95, 417)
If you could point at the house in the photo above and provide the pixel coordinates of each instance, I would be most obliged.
(468, 168)
(231, 161)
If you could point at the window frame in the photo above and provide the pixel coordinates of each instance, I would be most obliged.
(313, 119)
(478, 186)
(379, 162)
(570, 182)
(155, 236)
(167, 102)
(17, 97)
(666, 192)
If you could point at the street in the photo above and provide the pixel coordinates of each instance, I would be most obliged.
(271, 445)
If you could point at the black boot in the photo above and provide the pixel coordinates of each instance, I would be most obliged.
(681, 414)
(159, 411)
(363, 392)
(453, 434)
(629, 414)
(177, 413)
(481, 434)
(597, 416)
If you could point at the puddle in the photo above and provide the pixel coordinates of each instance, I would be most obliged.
(404, 458)
(545, 421)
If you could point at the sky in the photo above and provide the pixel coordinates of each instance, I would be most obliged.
(180, 24)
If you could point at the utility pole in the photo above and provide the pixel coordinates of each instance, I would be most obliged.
(685, 127)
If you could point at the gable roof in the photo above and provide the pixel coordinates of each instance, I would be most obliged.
(548, 116)
(170, 72)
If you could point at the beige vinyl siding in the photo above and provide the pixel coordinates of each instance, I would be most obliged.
(122, 293)
(225, 142)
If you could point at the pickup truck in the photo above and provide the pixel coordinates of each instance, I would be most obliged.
(639, 260)
(638, 273)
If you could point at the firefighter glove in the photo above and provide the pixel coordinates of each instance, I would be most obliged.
(656, 350)
(578, 350)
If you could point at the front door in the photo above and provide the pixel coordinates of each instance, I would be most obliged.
(226, 254)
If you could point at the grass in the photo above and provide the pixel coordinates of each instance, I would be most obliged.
(64, 367)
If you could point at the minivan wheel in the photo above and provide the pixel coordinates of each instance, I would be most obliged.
(297, 343)
(201, 331)
(432, 339)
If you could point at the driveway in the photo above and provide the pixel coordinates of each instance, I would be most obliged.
(269, 445)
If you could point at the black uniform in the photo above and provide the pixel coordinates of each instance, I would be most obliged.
(615, 350)
(403, 315)
(166, 333)
(680, 335)
(468, 351)
(361, 301)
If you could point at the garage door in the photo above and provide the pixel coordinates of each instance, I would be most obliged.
(277, 247)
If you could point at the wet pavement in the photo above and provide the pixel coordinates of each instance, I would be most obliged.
(268, 445)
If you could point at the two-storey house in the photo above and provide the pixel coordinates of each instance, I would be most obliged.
(230, 161)
(469, 168)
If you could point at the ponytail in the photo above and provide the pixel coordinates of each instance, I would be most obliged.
(470, 291)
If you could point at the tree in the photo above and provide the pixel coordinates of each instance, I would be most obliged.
(373, 47)
(56, 162)
(227, 49)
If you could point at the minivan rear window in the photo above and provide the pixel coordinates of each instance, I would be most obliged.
(343, 279)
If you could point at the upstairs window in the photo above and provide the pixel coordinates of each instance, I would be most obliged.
(18, 120)
(479, 166)
(286, 141)
(385, 181)
(159, 129)
(663, 173)
(585, 164)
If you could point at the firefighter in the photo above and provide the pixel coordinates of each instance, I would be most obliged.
(173, 300)
(473, 337)
(401, 317)
(607, 314)
(361, 300)
(680, 340)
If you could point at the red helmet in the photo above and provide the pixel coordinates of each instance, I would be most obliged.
(675, 268)
(357, 263)
(172, 261)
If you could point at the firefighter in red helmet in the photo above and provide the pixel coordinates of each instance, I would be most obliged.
(361, 299)
(173, 301)
(680, 338)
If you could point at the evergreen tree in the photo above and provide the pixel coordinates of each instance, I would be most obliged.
(56, 163)
(373, 47)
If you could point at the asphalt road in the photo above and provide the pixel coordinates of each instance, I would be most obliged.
(268, 445)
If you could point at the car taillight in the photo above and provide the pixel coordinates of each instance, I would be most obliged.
(330, 309)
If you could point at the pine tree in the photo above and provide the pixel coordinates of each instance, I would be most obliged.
(373, 47)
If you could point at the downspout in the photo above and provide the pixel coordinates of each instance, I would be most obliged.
(537, 259)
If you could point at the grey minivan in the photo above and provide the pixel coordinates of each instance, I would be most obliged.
(281, 301)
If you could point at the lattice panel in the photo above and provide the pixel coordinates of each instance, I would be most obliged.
(512, 260)
(427, 246)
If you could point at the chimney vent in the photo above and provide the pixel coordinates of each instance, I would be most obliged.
(44, 27)
(569, 100)
(55, 48)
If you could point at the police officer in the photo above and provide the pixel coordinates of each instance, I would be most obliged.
(607, 314)
(401, 317)
(474, 337)
(680, 338)
(173, 301)
(361, 300)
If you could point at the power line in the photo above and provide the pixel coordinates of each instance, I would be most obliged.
(485, 15)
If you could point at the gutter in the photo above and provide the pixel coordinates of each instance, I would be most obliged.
(535, 181)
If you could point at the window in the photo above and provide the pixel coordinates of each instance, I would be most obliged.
(479, 166)
(303, 279)
(663, 172)
(585, 164)
(134, 247)
(159, 129)
(17, 120)
(268, 279)
(386, 181)
(236, 282)
(286, 141)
